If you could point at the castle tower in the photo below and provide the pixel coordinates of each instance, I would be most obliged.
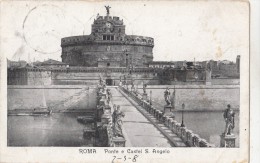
(238, 63)
(107, 46)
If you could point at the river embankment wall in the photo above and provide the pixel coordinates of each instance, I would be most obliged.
(198, 97)
(56, 97)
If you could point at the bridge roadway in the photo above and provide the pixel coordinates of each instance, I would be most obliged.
(137, 129)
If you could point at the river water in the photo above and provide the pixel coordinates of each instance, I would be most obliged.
(208, 125)
(58, 129)
(63, 129)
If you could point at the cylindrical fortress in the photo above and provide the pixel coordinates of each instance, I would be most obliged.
(107, 46)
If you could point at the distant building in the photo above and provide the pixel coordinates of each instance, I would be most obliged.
(13, 64)
(228, 70)
(161, 64)
(52, 63)
(225, 68)
(238, 63)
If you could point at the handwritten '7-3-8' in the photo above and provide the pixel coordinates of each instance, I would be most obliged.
(133, 159)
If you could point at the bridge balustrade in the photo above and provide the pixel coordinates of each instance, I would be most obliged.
(191, 139)
(157, 114)
(150, 110)
(170, 123)
(184, 133)
(189, 136)
(160, 116)
(154, 110)
(110, 135)
(196, 140)
(178, 129)
(165, 120)
(174, 129)
(104, 113)
(203, 143)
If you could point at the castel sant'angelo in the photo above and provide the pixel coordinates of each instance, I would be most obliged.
(107, 46)
(109, 53)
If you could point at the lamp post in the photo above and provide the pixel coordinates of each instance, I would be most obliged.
(124, 80)
(126, 59)
(150, 97)
(182, 118)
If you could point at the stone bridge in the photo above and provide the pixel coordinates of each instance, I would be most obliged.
(143, 124)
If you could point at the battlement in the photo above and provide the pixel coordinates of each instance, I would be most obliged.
(139, 40)
(115, 19)
(127, 40)
(76, 40)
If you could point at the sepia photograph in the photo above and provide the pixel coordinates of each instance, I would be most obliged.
(170, 74)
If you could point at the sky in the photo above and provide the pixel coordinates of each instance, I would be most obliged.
(182, 30)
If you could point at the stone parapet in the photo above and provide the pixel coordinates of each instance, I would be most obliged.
(104, 114)
(187, 136)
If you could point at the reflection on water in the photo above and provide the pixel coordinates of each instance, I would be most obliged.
(208, 125)
(59, 129)
(62, 129)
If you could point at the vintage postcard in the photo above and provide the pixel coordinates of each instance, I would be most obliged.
(124, 81)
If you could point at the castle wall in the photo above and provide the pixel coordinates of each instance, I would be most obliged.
(92, 78)
(24, 76)
(89, 54)
(39, 77)
(179, 76)
(17, 77)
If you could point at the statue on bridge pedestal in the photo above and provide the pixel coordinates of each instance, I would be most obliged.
(102, 84)
(117, 121)
(228, 139)
(144, 88)
(124, 82)
(133, 87)
(229, 116)
(167, 94)
(100, 80)
(109, 96)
